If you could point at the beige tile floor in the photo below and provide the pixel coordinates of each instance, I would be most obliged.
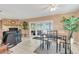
(75, 48)
(27, 46)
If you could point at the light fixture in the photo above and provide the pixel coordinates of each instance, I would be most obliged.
(53, 7)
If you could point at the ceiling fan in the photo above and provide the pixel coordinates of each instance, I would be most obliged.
(52, 7)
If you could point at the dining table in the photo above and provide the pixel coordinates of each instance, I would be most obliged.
(47, 38)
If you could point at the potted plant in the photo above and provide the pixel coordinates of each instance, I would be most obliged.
(72, 25)
(25, 27)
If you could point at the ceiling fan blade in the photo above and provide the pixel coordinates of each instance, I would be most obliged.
(47, 7)
(51, 6)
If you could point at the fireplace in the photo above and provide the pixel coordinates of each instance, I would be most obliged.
(13, 29)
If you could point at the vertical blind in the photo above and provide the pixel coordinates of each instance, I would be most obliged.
(41, 26)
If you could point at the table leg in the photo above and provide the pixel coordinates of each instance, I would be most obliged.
(65, 47)
(56, 47)
(60, 47)
(48, 44)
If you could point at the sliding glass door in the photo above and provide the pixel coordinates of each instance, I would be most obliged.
(38, 28)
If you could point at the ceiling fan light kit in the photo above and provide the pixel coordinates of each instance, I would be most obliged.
(52, 9)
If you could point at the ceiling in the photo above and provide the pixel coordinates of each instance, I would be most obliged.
(24, 11)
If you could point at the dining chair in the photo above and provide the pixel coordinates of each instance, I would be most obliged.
(52, 37)
(61, 43)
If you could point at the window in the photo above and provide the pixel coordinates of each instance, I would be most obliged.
(40, 27)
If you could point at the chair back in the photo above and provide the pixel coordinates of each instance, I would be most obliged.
(52, 34)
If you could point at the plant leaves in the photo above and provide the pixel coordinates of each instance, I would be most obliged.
(71, 24)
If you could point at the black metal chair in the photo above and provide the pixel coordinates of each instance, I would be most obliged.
(47, 38)
(66, 45)
(52, 36)
(61, 43)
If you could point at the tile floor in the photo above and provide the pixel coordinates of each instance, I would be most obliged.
(29, 45)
